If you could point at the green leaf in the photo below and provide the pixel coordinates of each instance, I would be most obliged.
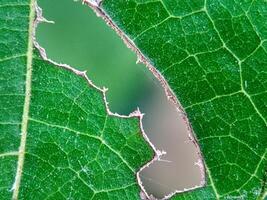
(57, 140)
(213, 55)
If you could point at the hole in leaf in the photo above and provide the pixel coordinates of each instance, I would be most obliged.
(82, 40)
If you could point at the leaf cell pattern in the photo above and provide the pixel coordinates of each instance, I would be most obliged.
(213, 54)
(57, 140)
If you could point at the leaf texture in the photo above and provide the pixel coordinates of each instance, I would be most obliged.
(213, 54)
(57, 140)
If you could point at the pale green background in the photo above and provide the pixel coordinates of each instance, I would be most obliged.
(85, 42)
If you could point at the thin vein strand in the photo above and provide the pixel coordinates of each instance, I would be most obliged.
(25, 116)
(12, 153)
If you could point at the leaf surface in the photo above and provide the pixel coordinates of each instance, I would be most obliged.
(57, 140)
(213, 54)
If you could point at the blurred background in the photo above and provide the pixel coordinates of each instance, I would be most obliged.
(81, 39)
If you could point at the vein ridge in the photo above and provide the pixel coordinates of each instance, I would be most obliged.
(25, 116)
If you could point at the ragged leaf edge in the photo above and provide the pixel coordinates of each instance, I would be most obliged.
(95, 5)
(35, 17)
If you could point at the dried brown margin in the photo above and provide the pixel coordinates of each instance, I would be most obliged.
(95, 5)
(141, 58)
(137, 113)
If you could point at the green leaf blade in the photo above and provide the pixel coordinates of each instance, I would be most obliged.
(58, 139)
(212, 54)
(12, 87)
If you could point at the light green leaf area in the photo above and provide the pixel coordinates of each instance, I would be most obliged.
(57, 140)
(213, 54)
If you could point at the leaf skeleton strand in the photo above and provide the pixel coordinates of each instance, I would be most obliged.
(25, 116)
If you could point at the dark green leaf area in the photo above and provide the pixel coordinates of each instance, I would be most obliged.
(213, 54)
(74, 148)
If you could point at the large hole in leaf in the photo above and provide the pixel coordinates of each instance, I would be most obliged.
(84, 41)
